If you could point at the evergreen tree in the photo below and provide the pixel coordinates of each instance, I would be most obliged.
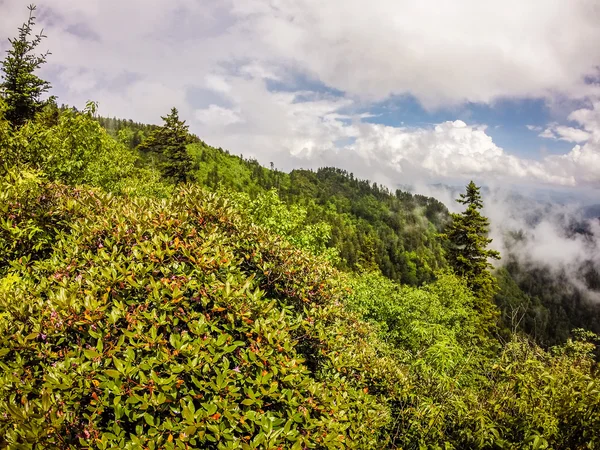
(20, 87)
(467, 247)
(170, 142)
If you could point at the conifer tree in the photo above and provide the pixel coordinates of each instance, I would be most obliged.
(21, 88)
(467, 246)
(170, 142)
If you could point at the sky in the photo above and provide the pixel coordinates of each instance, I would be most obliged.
(397, 91)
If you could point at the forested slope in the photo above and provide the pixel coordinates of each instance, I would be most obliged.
(396, 233)
(164, 296)
(371, 227)
(135, 322)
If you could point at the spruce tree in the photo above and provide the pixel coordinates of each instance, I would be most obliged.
(467, 253)
(170, 143)
(21, 88)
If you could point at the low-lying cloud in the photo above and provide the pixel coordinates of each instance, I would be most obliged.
(551, 237)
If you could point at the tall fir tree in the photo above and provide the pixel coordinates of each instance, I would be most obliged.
(467, 237)
(170, 143)
(21, 88)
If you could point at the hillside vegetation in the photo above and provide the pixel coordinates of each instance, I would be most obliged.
(371, 227)
(141, 311)
(396, 233)
(134, 322)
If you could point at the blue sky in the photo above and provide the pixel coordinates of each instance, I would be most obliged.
(396, 91)
(506, 121)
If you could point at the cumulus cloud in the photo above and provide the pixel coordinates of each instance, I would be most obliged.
(582, 163)
(312, 130)
(588, 119)
(232, 68)
(454, 148)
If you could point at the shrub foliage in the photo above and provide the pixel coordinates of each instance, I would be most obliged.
(155, 324)
(132, 322)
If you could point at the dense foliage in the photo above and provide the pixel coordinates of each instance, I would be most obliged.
(156, 321)
(371, 227)
(74, 148)
(129, 133)
(133, 322)
(465, 389)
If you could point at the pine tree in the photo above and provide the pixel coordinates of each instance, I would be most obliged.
(21, 88)
(467, 247)
(170, 142)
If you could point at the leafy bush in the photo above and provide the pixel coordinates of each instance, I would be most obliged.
(29, 217)
(75, 149)
(412, 318)
(288, 221)
(462, 389)
(163, 324)
(544, 399)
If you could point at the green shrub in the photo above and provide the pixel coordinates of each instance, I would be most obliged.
(462, 389)
(173, 323)
(286, 220)
(74, 149)
(546, 399)
(30, 216)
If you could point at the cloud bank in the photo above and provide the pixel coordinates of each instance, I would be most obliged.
(295, 81)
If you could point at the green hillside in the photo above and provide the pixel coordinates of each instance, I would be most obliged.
(138, 314)
(134, 322)
(171, 295)
(371, 227)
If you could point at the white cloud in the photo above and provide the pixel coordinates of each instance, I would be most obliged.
(140, 57)
(581, 165)
(216, 116)
(217, 83)
(309, 130)
(441, 52)
(571, 134)
(564, 133)
(583, 161)
(453, 149)
(143, 100)
(589, 119)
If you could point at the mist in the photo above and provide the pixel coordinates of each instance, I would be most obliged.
(545, 230)
(543, 235)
